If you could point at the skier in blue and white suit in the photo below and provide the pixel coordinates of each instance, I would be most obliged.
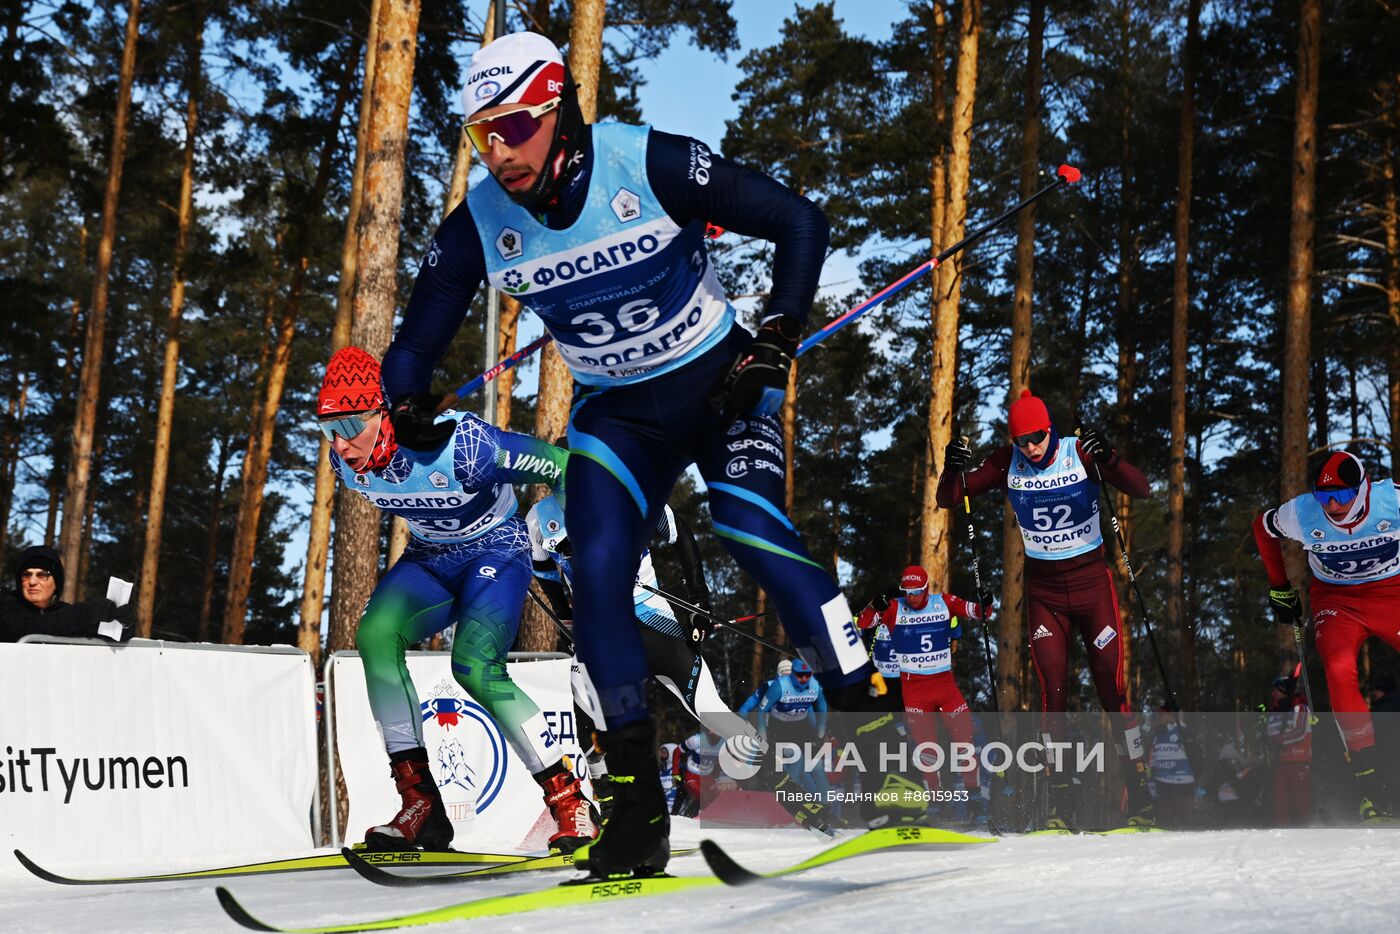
(793, 711)
(465, 566)
(600, 230)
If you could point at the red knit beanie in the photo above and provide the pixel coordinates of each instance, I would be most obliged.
(1027, 414)
(351, 384)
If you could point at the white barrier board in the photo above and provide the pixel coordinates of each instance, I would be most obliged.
(491, 799)
(140, 758)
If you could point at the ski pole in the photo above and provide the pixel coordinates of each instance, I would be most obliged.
(1298, 641)
(1132, 579)
(559, 623)
(726, 623)
(1066, 175)
(466, 389)
(977, 582)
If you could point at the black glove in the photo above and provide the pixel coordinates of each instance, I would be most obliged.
(107, 611)
(984, 602)
(957, 455)
(1097, 446)
(700, 628)
(1285, 605)
(415, 422)
(879, 603)
(757, 381)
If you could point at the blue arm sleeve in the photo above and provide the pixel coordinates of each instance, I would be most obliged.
(748, 203)
(820, 708)
(750, 704)
(770, 697)
(448, 277)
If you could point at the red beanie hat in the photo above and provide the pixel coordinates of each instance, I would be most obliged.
(915, 578)
(351, 384)
(1027, 414)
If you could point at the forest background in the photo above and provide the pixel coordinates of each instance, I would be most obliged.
(199, 201)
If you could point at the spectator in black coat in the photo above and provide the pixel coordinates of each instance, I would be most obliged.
(35, 607)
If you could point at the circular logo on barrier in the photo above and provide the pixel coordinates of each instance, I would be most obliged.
(470, 757)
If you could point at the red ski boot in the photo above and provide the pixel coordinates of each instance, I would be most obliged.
(422, 822)
(577, 820)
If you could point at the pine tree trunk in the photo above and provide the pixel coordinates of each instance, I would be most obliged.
(313, 587)
(938, 173)
(85, 557)
(357, 539)
(58, 451)
(1012, 624)
(757, 662)
(1390, 220)
(211, 551)
(264, 421)
(72, 538)
(1126, 383)
(505, 383)
(9, 456)
(462, 160)
(165, 414)
(1177, 622)
(942, 405)
(789, 416)
(1293, 478)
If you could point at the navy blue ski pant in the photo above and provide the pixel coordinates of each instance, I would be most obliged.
(628, 445)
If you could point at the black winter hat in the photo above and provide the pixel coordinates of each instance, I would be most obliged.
(44, 558)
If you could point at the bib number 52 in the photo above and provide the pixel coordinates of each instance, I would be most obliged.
(1050, 518)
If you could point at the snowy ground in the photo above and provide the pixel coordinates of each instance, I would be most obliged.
(1252, 880)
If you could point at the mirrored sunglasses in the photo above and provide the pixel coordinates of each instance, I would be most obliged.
(511, 129)
(346, 425)
(1034, 437)
(1341, 496)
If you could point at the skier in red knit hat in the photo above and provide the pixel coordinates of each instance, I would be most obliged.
(1053, 485)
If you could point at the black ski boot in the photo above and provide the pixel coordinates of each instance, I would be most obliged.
(1062, 805)
(1142, 812)
(898, 797)
(636, 835)
(1375, 796)
(601, 782)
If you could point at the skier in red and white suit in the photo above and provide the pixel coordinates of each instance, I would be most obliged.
(923, 628)
(1350, 529)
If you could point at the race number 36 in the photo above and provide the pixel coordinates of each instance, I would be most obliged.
(633, 317)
